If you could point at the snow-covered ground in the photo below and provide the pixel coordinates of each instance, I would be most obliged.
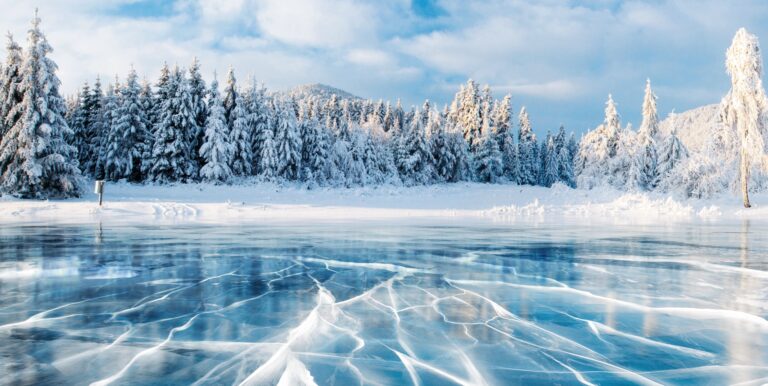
(254, 202)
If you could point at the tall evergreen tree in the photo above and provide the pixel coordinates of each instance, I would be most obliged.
(550, 173)
(230, 97)
(488, 160)
(217, 149)
(128, 137)
(198, 92)
(288, 142)
(240, 138)
(527, 152)
(10, 78)
(419, 164)
(172, 156)
(35, 160)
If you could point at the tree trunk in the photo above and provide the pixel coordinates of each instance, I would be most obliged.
(745, 178)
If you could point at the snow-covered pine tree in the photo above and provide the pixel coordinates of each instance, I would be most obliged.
(288, 141)
(268, 161)
(35, 160)
(259, 120)
(469, 114)
(319, 162)
(217, 149)
(595, 164)
(108, 122)
(240, 138)
(128, 137)
(488, 159)
(565, 167)
(543, 154)
(419, 165)
(198, 93)
(171, 153)
(10, 78)
(672, 153)
(646, 141)
(147, 102)
(357, 175)
(744, 107)
(550, 173)
(230, 97)
(527, 151)
(338, 167)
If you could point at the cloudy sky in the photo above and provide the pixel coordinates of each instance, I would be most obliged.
(559, 58)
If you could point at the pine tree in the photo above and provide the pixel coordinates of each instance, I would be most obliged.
(197, 92)
(745, 104)
(172, 151)
(550, 173)
(240, 138)
(418, 167)
(527, 152)
(259, 120)
(565, 167)
(147, 102)
(488, 161)
(671, 154)
(217, 149)
(230, 97)
(128, 137)
(10, 78)
(288, 142)
(35, 160)
(268, 161)
(469, 113)
(93, 130)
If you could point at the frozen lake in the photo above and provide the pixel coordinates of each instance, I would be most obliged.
(433, 303)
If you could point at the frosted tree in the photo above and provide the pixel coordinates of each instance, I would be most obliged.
(197, 93)
(565, 167)
(672, 153)
(217, 149)
(268, 161)
(550, 173)
(147, 101)
(745, 104)
(357, 175)
(10, 78)
(240, 138)
(595, 163)
(230, 96)
(127, 138)
(35, 160)
(468, 114)
(339, 163)
(488, 160)
(288, 141)
(418, 167)
(650, 123)
(527, 152)
(259, 120)
(171, 152)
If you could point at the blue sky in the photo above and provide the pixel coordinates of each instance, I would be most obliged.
(559, 58)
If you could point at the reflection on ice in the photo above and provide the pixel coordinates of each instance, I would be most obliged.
(380, 304)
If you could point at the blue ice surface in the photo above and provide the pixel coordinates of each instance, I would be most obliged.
(434, 303)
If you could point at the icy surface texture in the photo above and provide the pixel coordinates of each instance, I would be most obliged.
(337, 304)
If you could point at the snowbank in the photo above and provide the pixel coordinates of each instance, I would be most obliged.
(254, 202)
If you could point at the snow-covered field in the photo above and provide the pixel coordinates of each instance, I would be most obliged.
(254, 202)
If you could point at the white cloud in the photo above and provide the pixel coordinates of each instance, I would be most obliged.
(317, 23)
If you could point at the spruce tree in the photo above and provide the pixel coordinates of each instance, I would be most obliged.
(128, 136)
(10, 78)
(230, 97)
(240, 138)
(268, 162)
(419, 164)
(172, 156)
(198, 92)
(217, 150)
(488, 160)
(527, 152)
(288, 141)
(35, 160)
(550, 173)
